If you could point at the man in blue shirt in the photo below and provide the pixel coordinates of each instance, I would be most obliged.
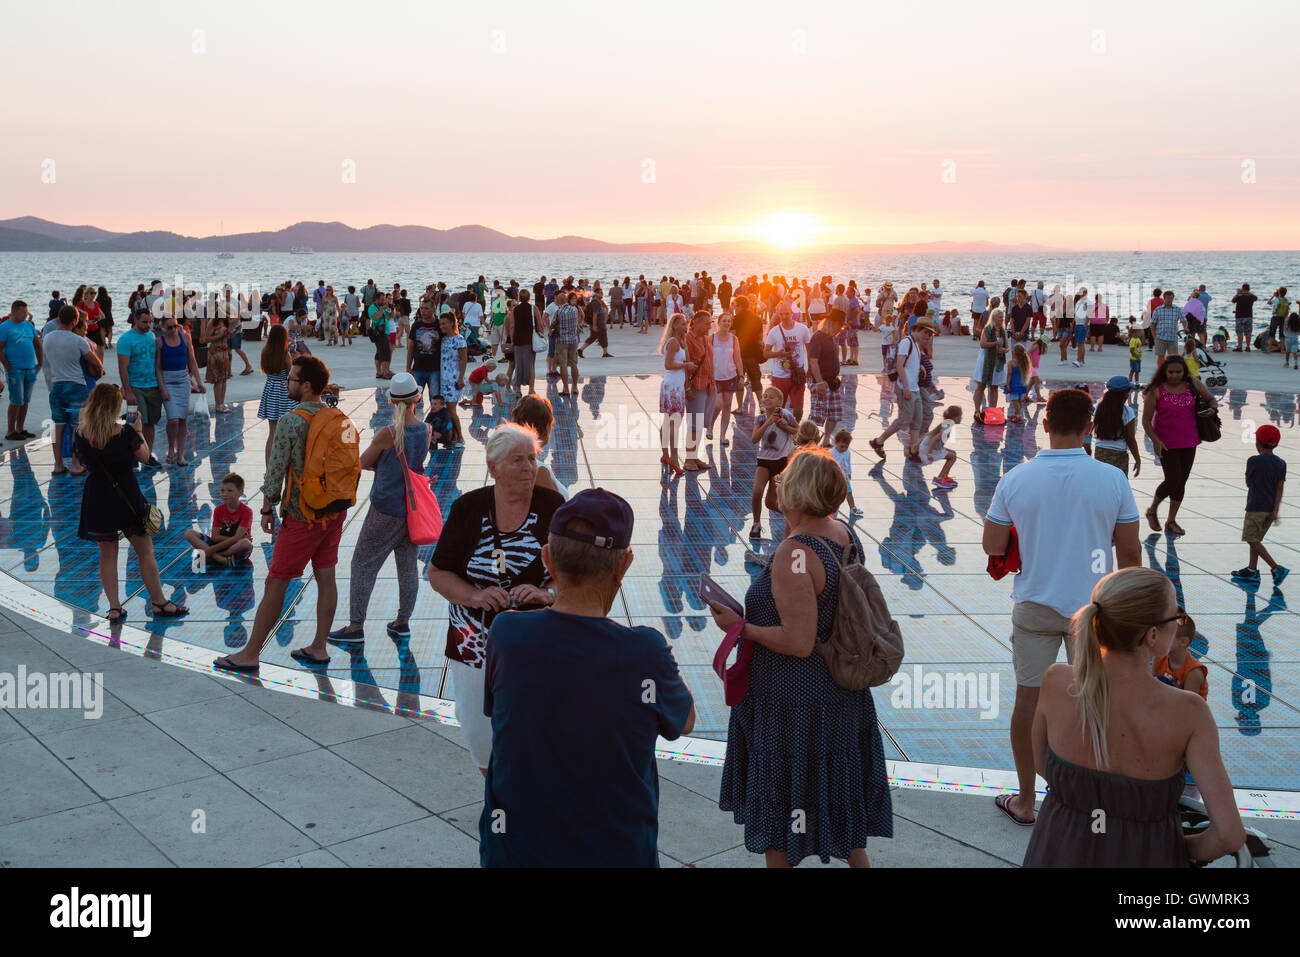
(592, 799)
(136, 351)
(20, 352)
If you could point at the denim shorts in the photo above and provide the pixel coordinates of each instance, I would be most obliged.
(1081, 330)
(1134, 365)
(1293, 343)
(20, 383)
(66, 400)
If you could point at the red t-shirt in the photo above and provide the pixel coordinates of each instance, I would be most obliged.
(225, 522)
(92, 315)
(478, 375)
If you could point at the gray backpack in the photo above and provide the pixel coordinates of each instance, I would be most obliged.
(865, 648)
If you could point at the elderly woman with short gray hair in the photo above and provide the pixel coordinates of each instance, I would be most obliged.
(489, 560)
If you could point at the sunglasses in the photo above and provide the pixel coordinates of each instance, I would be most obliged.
(1181, 618)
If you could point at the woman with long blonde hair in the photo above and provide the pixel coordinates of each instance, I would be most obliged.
(672, 390)
(1113, 741)
(111, 502)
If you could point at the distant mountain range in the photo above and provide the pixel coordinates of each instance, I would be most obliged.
(30, 234)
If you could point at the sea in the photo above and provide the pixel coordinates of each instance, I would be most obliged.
(1125, 279)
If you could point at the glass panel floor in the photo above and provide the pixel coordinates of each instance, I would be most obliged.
(923, 546)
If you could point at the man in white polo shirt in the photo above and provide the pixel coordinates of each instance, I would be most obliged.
(1064, 552)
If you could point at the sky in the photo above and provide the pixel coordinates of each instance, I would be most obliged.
(1102, 125)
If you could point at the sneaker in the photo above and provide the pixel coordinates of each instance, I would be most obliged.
(1279, 574)
(756, 531)
(153, 463)
(1064, 362)
(1246, 575)
(343, 636)
(855, 511)
(944, 482)
(1076, 363)
(27, 435)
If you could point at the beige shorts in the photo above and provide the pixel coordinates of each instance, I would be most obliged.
(1168, 347)
(1255, 526)
(566, 353)
(1036, 635)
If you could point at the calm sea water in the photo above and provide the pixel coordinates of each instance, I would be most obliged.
(1125, 279)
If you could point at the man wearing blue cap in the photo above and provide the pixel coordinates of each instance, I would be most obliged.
(577, 703)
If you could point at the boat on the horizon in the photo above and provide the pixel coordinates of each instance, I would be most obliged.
(225, 255)
(301, 250)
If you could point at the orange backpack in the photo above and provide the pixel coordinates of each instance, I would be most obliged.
(331, 465)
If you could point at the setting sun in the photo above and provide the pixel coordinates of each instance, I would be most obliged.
(787, 230)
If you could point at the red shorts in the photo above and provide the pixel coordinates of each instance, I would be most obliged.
(298, 543)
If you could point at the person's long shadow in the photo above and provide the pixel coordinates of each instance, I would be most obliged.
(915, 523)
(986, 464)
(29, 515)
(674, 559)
(1252, 681)
(1171, 568)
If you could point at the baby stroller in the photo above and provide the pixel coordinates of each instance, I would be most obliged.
(1213, 372)
(1194, 818)
(473, 345)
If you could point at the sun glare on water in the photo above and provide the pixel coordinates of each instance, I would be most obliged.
(787, 230)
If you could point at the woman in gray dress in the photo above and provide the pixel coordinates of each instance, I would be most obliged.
(1113, 741)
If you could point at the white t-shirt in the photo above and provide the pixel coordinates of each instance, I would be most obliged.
(935, 295)
(979, 299)
(1118, 445)
(911, 363)
(1065, 506)
(795, 341)
(776, 443)
(1037, 298)
(472, 313)
(844, 460)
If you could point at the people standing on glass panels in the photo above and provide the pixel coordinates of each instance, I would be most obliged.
(488, 561)
(395, 449)
(112, 505)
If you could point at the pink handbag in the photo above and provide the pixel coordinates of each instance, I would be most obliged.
(423, 515)
(735, 680)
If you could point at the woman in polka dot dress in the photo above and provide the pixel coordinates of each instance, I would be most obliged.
(805, 772)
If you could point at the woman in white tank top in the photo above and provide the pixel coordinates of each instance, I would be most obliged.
(726, 374)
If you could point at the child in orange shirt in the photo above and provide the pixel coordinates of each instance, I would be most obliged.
(1180, 667)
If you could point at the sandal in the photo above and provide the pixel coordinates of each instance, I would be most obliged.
(248, 371)
(878, 447)
(62, 471)
(1173, 528)
(225, 664)
(1153, 519)
(120, 616)
(301, 654)
(159, 609)
(1003, 802)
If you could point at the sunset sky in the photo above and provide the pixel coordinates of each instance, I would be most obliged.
(1106, 125)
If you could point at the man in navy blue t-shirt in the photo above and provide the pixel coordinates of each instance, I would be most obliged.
(577, 703)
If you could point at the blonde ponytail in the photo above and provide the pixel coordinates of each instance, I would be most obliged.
(1123, 609)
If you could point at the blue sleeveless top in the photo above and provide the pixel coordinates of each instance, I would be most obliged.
(388, 493)
(174, 358)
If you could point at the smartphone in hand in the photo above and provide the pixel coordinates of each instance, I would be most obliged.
(712, 591)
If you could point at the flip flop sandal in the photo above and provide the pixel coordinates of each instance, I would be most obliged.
(1002, 801)
(248, 371)
(60, 472)
(120, 616)
(225, 664)
(1153, 519)
(300, 654)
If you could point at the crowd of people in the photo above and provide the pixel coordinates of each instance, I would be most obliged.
(520, 561)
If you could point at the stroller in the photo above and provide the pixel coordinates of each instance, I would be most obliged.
(473, 344)
(1194, 818)
(1213, 372)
